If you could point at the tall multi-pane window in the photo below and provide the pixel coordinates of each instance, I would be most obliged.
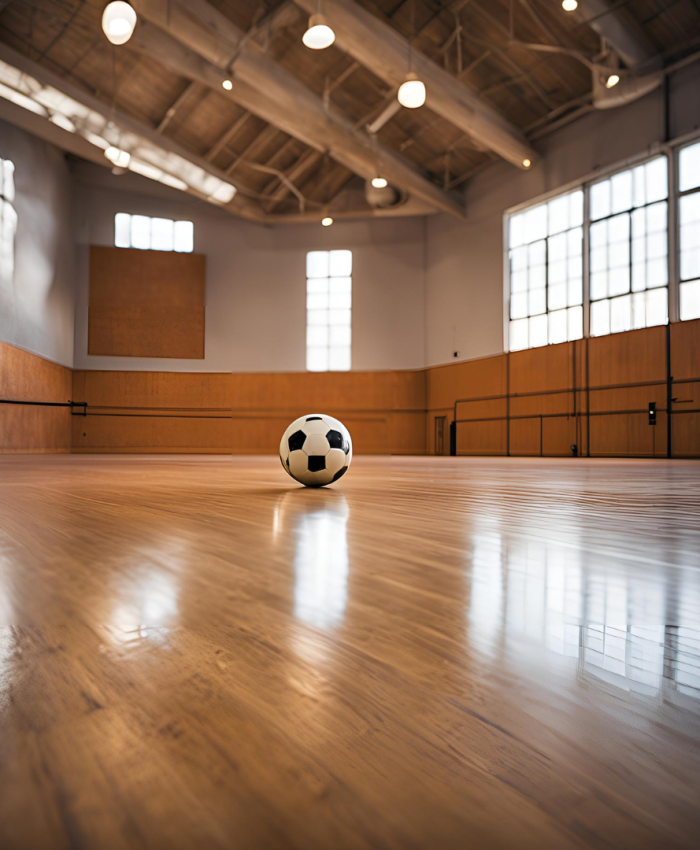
(689, 226)
(153, 234)
(328, 310)
(8, 220)
(629, 249)
(546, 273)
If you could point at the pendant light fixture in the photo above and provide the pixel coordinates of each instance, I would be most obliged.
(411, 92)
(380, 182)
(118, 21)
(319, 34)
(569, 5)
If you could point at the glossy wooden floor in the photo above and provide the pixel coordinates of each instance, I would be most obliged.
(436, 653)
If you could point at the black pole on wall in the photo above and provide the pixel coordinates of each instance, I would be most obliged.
(453, 439)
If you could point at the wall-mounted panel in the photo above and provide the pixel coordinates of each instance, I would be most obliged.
(146, 303)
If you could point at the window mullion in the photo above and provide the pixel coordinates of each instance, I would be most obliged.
(586, 261)
(673, 240)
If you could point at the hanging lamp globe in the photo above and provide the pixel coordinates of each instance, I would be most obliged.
(319, 34)
(411, 92)
(118, 21)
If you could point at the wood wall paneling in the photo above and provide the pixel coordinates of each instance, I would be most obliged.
(28, 377)
(619, 422)
(685, 365)
(385, 411)
(472, 379)
(627, 358)
(245, 413)
(146, 303)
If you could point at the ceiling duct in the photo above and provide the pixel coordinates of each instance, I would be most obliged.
(624, 41)
(629, 89)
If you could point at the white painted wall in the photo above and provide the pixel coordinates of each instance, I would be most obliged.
(464, 275)
(256, 284)
(37, 303)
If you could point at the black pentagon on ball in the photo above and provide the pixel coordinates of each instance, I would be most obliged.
(312, 418)
(340, 473)
(336, 441)
(317, 463)
(296, 441)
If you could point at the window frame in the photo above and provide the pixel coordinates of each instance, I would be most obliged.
(671, 150)
(151, 218)
(589, 222)
(328, 325)
(677, 223)
(7, 200)
(546, 239)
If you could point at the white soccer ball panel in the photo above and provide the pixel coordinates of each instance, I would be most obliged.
(315, 424)
(335, 460)
(316, 444)
(298, 464)
(318, 479)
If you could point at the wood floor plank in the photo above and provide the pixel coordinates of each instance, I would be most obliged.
(436, 653)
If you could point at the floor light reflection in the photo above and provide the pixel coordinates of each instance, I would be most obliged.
(321, 563)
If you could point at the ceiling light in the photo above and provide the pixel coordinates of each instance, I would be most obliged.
(327, 221)
(569, 5)
(63, 122)
(118, 22)
(224, 193)
(412, 92)
(319, 35)
(380, 182)
(612, 80)
(527, 163)
(227, 84)
(118, 157)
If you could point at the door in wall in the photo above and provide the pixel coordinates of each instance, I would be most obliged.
(440, 427)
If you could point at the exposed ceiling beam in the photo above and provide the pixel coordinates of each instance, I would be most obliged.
(620, 29)
(383, 50)
(305, 161)
(199, 42)
(263, 138)
(101, 119)
(281, 151)
(227, 137)
(172, 110)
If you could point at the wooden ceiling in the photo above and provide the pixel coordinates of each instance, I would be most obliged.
(478, 41)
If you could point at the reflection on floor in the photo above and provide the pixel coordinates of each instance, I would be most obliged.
(436, 653)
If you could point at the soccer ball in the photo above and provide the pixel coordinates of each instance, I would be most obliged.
(316, 450)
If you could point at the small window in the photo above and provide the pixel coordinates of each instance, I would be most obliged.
(629, 249)
(153, 234)
(546, 273)
(328, 310)
(689, 225)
